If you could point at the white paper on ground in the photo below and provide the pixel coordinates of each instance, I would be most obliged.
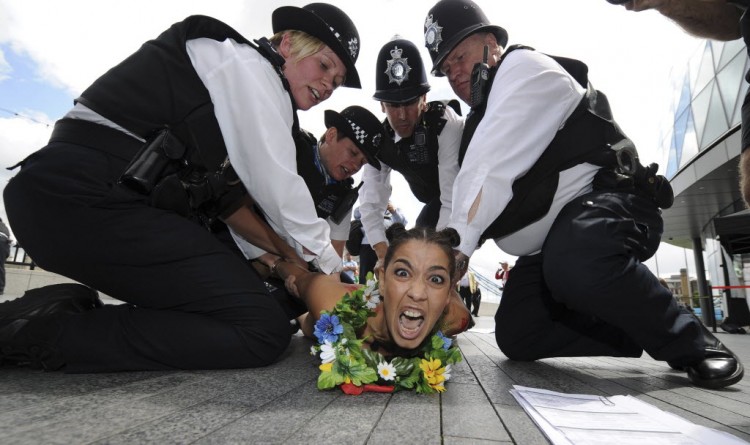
(582, 419)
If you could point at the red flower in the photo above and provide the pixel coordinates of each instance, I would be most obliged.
(354, 390)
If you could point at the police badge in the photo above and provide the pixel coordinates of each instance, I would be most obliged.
(398, 68)
(353, 47)
(432, 34)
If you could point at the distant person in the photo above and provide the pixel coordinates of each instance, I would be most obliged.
(466, 286)
(476, 300)
(5, 243)
(502, 273)
(367, 256)
(350, 271)
(717, 20)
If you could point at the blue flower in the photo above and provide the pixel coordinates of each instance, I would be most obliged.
(328, 328)
(447, 342)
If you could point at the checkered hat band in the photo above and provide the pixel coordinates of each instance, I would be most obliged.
(359, 133)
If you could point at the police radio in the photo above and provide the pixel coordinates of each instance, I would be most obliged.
(479, 75)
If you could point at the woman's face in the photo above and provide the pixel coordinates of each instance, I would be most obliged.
(312, 79)
(415, 287)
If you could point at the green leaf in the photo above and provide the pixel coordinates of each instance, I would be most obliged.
(361, 374)
(329, 379)
(373, 358)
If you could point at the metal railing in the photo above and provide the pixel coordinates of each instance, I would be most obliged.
(19, 257)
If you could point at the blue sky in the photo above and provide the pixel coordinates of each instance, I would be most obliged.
(25, 92)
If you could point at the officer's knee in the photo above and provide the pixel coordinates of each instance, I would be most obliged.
(514, 349)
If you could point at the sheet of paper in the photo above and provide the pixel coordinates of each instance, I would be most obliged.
(582, 419)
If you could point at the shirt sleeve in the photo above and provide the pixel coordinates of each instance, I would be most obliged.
(373, 199)
(531, 98)
(399, 217)
(255, 115)
(340, 231)
(449, 143)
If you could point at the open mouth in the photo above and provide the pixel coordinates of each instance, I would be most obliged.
(410, 324)
(315, 94)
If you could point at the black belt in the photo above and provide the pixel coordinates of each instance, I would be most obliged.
(98, 137)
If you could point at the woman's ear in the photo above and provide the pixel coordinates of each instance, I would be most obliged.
(379, 271)
(285, 47)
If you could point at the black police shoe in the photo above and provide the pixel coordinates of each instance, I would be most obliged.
(719, 368)
(24, 345)
(69, 298)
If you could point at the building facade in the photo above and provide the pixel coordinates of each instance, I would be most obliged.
(700, 143)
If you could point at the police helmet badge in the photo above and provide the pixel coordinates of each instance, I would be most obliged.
(398, 67)
(376, 140)
(353, 47)
(432, 34)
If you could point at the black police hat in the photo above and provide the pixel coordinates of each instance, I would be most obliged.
(362, 127)
(449, 22)
(399, 72)
(329, 24)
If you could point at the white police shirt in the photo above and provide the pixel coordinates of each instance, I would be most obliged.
(530, 100)
(376, 191)
(255, 116)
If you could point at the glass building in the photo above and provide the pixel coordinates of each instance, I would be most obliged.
(700, 147)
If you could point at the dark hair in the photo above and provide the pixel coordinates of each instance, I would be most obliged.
(447, 239)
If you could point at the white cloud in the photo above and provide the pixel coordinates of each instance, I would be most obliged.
(629, 54)
(5, 68)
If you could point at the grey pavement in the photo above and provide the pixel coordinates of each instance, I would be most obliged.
(280, 403)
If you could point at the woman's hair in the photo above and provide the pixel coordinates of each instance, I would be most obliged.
(303, 44)
(446, 239)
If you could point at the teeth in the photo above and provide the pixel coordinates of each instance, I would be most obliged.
(412, 314)
(315, 93)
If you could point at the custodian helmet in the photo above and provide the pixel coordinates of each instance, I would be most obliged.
(399, 72)
(449, 22)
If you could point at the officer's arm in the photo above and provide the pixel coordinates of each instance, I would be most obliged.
(710, 19)
(245, 222)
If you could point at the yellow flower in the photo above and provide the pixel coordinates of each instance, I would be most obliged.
(433, 373)
(326, 367)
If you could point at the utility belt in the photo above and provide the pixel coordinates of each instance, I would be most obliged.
(161, 169)
(630, 176)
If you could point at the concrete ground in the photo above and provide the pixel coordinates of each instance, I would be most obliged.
(280, 403)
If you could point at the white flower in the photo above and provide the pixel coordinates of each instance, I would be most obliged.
(371, 294)
(314, 350)
(447, 372)
(386, 371)
(327, 352)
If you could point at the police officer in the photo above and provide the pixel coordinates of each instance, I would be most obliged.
(422, 144)
(327, 165)
(540, 175)
(172, 141)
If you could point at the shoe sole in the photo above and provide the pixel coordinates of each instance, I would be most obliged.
(80, 297)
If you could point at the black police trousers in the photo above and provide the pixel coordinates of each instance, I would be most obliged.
(191, 302)
(588, 294)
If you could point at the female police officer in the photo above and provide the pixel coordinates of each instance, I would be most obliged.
(160, 147)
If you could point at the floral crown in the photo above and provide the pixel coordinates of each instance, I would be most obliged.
(355, 370)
